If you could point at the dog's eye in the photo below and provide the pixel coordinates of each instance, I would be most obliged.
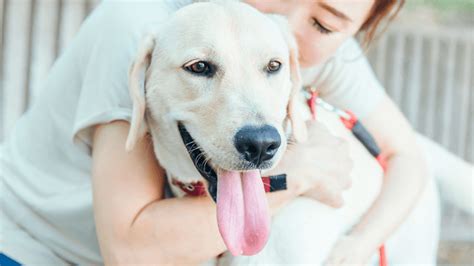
(273, 66)
(201, 68)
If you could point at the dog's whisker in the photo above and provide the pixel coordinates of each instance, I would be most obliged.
(194, 149)
(206, 162)
(206, 158)
(191, 143)
(201, 155)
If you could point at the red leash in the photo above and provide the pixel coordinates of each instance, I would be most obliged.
(360, 132)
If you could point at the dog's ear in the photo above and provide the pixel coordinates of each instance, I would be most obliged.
(298, 125)
(136, 86)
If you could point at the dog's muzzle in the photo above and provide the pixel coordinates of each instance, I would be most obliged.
(243, 216)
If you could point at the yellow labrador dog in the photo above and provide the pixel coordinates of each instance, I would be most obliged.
(219, 94)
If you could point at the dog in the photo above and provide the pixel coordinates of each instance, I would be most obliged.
(219, 95)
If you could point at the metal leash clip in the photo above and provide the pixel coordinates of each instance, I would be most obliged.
(309, 93)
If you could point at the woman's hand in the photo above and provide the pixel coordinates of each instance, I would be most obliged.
(349, 250)
(318, 168)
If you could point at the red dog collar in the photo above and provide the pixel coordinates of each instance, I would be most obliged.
(196, 189)
(193, 189)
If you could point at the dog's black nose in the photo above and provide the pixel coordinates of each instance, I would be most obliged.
(257, 144)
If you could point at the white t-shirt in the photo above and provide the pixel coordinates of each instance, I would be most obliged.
(347, 81)
(46, 161)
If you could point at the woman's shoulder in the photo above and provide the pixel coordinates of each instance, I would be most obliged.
(122, 22)
(350, 49)
(348, 81)
(348, 58)
(112, 33)
(123, 18)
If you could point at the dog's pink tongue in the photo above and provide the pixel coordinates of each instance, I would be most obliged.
(242, 211)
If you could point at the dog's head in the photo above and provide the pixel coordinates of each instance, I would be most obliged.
(216, 85)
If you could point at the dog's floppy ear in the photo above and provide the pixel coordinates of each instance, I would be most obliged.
(298, 125)
(136, 86)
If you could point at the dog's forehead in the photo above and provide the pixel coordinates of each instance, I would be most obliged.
(224, 24)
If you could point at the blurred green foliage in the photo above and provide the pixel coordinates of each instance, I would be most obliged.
(443, 5)
(447, 12)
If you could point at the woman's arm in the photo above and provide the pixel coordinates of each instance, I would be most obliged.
(134, 223)
(404, 181)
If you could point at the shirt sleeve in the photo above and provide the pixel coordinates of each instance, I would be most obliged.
(104, 63)
(348, 82)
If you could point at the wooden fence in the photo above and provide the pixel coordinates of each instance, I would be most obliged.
(429, 73)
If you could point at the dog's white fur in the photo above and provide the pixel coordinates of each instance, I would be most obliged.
(241, 94)
(213, 110)
(305, 230)
(240, 41)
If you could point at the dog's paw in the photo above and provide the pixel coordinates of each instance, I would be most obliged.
(348, 251)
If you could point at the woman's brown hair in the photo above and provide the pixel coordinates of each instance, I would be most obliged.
(382, 10)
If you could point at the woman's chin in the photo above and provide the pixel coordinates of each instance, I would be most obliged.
(304, 63)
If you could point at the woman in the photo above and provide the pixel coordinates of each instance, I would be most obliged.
(83, 114)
